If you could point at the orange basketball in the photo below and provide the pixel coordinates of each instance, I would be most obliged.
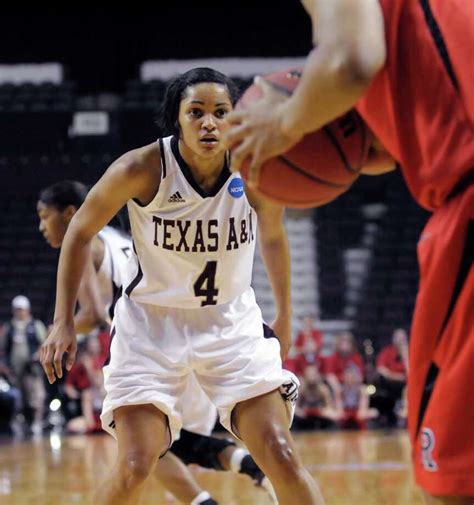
(322, 166)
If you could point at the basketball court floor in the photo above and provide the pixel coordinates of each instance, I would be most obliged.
(353, 468)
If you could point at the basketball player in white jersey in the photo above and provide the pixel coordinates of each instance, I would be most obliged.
(188, 306)
(109, 253)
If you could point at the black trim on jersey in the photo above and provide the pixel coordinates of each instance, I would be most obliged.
(268, 332)
(116, 294)
(170, 437)
(467, 260)
(438, 40)
(107, 361)
(427, 392)
(137, 278)
(163, 159)
(221, 180)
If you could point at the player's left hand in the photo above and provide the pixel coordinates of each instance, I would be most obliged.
(281, 326)
(257, 133)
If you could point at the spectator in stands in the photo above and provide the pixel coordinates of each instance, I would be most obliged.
(23, 336)
(345, 354)
(85, 390)
(315, 402)
(392, 367)
(353, 401)
(9, 400)
(392, 362)
(309, 357)
(308, 332)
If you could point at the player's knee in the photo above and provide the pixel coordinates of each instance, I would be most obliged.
(135, 468)
(280, 450)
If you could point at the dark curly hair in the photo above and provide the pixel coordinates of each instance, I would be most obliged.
(62, 194)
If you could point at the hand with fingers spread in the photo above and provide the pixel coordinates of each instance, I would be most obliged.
(257, 132)
(62, 339)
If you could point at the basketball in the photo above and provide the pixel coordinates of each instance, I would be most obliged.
(322, 166)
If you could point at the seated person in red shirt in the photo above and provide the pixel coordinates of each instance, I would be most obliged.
(392, 362)
(84, 386)
(308, 332)
(315, 401)
(345, 354)
(392, 367)
(309, 356)
(353, 401)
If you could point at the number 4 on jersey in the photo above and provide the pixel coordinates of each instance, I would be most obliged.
(205, 284)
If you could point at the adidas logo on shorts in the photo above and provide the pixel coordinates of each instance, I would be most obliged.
(176, 198)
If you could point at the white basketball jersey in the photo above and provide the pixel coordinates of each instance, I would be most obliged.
(191, 249)
(111, 275)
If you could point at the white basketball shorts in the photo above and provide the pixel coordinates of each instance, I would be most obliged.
(155, 350)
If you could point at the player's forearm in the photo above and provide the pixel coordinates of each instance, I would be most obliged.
(328, 87)
(276, 257)
(72, 261)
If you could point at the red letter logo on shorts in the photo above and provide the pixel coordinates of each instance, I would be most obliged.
(427, 446)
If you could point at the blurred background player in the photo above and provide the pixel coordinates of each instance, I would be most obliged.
(407, 68)
(111, 247)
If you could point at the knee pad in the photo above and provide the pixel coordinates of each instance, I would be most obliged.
(199, 449)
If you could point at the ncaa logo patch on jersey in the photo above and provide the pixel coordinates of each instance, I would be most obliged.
(236, 187)
(427, 446)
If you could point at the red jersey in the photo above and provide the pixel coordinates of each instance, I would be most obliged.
(309, 359)
(421, 104)
(78, 377)
(337, 363)
(390, 358)
(315, 335)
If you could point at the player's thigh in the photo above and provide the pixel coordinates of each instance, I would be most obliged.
(141, 430)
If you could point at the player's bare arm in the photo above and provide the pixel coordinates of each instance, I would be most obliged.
(350, 50)
(135, 175)
(91, 311)
(274, 248)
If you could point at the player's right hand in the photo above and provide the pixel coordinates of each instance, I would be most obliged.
(62, 339)
(256, 134)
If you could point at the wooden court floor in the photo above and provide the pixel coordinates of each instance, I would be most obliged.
(353, 468)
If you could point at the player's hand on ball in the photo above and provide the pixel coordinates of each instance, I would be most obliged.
(257, 133)
(281, 326)
(62, 339)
